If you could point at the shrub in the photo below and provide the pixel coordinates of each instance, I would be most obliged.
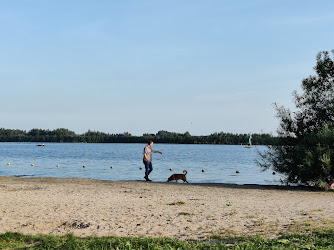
(305, 152)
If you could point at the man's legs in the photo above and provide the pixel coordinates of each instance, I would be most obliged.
(148, 169)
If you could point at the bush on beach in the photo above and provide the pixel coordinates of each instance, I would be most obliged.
(305, 152)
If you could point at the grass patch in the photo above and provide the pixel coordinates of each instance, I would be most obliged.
(233, 213)
(251, 216)
(185, 213)
(228, 204)
(321, 238)
(177, 203)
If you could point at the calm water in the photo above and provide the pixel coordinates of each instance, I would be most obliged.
(220, 162)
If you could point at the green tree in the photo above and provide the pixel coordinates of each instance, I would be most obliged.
(65, 135)
(305, 152)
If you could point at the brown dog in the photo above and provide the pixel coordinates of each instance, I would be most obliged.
(175, 177)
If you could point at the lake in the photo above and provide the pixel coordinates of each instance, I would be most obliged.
(220, 162)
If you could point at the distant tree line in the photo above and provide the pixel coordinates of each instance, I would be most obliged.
(65, 135)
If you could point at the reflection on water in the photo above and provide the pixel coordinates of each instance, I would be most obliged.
(220, 162)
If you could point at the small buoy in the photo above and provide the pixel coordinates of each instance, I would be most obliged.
(112, 167)
(274, 173)
(58, 166)
(140, 168)
(32, 164)
(171, 169)
(237, 172)
(203, 170)
(8, 164)
(83, 166)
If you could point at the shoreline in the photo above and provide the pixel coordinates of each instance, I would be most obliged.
(86, 207)
(201, 184)
(205, 184)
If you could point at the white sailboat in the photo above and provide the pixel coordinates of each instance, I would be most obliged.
(249, 141)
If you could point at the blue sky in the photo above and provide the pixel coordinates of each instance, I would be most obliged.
(150, 65)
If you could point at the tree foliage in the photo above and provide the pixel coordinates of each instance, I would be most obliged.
(65, 135)
(305, 152)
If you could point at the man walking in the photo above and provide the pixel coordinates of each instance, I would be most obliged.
(148, 159)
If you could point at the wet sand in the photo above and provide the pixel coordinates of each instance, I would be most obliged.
(137, 208)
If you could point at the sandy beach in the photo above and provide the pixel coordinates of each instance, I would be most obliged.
(137, 208)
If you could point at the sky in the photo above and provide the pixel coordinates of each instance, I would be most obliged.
(150, 65)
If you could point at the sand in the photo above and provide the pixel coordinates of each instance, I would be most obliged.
(136, 208)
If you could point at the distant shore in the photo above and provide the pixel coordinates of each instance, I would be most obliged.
(64, 135)
(137, 208)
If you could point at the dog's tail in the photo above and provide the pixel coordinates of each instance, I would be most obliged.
(185, 172)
